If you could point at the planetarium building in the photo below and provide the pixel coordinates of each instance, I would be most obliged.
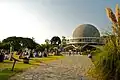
(84, 34)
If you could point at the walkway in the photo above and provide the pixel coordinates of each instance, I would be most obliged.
(69, 68)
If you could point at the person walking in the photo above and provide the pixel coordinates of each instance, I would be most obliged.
(89, 54)
(70, 52)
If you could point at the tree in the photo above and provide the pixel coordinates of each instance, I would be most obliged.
(47, 41)
(17, 41)
(39, 48)
(55, 41)
(5, 46)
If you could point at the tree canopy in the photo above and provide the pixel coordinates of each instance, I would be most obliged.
(55, 40)
(19, 42)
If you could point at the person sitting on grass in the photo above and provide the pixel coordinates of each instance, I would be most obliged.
(2, 56)
(20, 55)
(6, 57)
(70, 52)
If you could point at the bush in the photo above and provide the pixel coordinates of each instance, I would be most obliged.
(107, 66)
(95, 52)
(107, 63)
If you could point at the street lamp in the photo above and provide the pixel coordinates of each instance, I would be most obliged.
(21, 44)
(11, 48)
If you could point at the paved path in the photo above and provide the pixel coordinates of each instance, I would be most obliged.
(69, 68)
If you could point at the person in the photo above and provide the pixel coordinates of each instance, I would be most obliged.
(45, 54)
(6, 57)
(70, 52)
(2, 56)
(81, 53)
(20, 55)
(89, 55)
(39, 54)
(34, 54)
(24, 53)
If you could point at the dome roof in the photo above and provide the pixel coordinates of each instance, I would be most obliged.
(86, 30)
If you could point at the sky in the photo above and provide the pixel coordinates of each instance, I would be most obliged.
(43, 19)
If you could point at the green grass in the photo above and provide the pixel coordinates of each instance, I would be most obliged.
(20, 66)
(6, 73)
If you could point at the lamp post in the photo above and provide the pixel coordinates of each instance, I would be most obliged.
(11, 48)
(21, 44)
(21, 51)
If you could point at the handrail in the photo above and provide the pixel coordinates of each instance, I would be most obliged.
(83, 37)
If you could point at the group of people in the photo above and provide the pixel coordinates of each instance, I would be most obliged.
(4, 55)
(26, 53)
(71, 52)
(29, 54)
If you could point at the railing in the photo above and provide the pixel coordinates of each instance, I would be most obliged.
(78, 40)
(84, 38)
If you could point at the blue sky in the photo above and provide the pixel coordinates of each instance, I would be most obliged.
(44, 19)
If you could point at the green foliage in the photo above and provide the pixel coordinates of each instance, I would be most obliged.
(16, 42)
(55, 41)
(107, 66)
(94, 52)
(42, 47)
(4, 46)
(107, 63)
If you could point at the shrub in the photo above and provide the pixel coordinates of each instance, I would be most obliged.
(107, 64)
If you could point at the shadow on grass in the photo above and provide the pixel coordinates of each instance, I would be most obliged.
(10, 62)
(7, 73)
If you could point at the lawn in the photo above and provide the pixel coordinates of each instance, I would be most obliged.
(5, 67)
